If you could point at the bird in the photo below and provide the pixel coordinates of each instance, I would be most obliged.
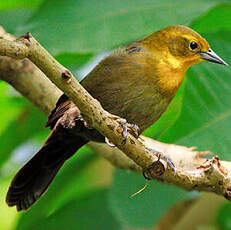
(135, 82)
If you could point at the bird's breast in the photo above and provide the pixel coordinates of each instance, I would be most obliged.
(128, 88)
(138, 103)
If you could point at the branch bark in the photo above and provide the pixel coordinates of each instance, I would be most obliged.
(193, 172)
(29, 80)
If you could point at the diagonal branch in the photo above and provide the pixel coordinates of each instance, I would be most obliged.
(193, 173)
(29, 80)
(27, 47)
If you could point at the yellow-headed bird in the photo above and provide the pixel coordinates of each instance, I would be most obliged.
(136, 82)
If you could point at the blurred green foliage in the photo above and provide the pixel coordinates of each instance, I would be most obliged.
(224, 218)
(200, 114)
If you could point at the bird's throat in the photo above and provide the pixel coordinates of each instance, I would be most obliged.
(171, 74)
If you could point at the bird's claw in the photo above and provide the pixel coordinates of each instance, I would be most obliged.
(129, 128)
(158, 165)
(133, 129)
(109, 143)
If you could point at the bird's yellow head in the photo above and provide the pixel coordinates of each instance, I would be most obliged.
(182, 46)
(175, 49)
(189, 47)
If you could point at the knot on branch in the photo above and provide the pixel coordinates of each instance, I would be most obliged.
(213, 164)
(66, 75)
(155, 170)
(25, 38)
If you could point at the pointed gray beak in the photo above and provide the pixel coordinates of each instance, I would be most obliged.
(213, 57)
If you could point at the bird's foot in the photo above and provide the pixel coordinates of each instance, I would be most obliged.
(157, 168)
(133, 129)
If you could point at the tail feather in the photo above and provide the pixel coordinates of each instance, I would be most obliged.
(33, 179)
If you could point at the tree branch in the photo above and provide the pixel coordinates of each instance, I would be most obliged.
(29, 80)
(27, 47)
(192, 172)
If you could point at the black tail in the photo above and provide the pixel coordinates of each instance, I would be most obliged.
(35, 176)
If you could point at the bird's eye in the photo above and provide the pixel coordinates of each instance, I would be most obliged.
(193, 45)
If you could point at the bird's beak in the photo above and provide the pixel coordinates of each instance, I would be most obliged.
(212, 56)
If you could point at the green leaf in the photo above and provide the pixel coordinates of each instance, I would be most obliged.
(89, 26)
(146, 208)
(15, 13)
(24, 127)
(224, 218)
(207, 227)
(215, 19)
(72, 183)
(8, 216)
(205, 119)
(12, 20)
(12, 4)
(73, 61)
(11, 106)
(91, 212)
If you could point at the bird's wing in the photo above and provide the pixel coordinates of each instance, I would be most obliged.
(62, 105)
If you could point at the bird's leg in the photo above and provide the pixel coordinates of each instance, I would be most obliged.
(158, 165)
(133, 129)
(127, 127)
